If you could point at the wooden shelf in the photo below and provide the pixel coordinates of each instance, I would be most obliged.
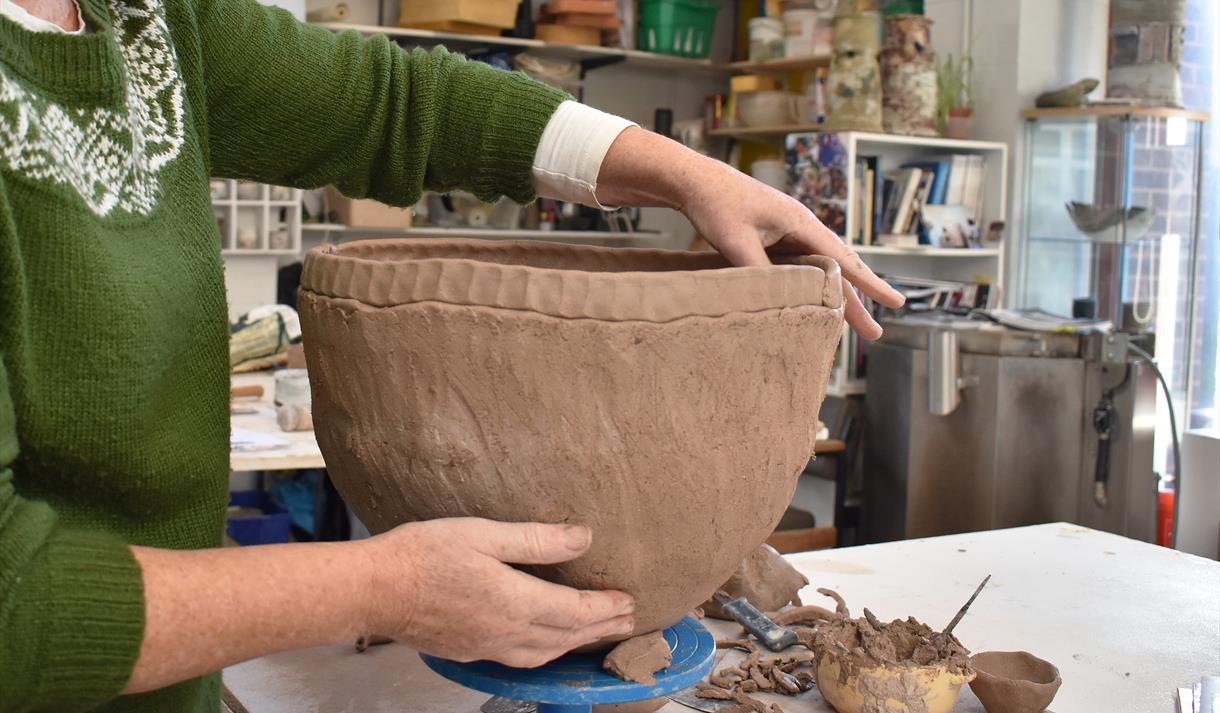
(937, 142)
(1159, 112)
(927, 251)
(580, 53)
(486, 233)
(778, 66)
(748, 132)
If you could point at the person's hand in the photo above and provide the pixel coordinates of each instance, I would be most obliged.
(739, 216)
(745, 219)
(443, 587)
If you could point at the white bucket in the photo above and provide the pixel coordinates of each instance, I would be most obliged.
(801, 33)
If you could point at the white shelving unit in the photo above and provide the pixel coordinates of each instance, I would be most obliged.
(893, 151)
(256, 219)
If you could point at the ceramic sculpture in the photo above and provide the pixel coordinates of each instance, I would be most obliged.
(1146, 38)
(658, 397)
(853, 85)
(908, 73)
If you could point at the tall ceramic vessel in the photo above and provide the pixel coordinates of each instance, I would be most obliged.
(665, 401)
(853, 85)
(908, 71)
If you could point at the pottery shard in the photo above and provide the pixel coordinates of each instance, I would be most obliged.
(661, 398)
(765, 579)
(639, 658)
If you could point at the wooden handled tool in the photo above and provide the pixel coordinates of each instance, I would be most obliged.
(772, 635)
(962, 612)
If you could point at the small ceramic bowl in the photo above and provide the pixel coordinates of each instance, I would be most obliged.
(937, 687)
(1014, 681)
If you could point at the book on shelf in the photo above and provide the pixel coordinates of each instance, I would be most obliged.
(889, 203)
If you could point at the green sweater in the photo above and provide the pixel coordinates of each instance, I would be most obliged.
(113, 341)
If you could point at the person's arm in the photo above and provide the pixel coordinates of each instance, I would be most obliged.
(440, 586)
(84, 617)
(295, 105)
(737, 215)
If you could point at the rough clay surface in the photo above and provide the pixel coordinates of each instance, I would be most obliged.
(861, 644)
(678, 442)
(639, 658)
(1014, 681)
(765, 579)
(902, 642)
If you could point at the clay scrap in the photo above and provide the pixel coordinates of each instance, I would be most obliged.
(765, 579)
(639, 658)
(868, 643)
(860, 665)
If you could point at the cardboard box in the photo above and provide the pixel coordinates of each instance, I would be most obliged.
(366, 213)
(491, 13)
(569, 34)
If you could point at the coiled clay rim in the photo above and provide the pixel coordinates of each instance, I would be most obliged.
(566, 281)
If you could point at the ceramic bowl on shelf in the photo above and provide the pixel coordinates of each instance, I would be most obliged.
(664, 399)
(768, 108)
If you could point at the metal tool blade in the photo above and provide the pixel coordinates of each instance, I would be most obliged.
(774, 637)
(500, 704)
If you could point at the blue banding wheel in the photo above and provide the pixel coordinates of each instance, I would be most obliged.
(577, 680)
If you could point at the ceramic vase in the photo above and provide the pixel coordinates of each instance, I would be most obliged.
(853, 86)
(908, 71)
(657, 397)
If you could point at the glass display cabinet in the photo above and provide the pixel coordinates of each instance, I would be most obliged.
(1110, 226)
(1111, 214)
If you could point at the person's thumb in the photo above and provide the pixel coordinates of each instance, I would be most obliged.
(533, 542)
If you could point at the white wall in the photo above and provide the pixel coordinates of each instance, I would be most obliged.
(1020, 48)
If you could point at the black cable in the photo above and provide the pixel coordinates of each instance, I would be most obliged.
(1173, 429)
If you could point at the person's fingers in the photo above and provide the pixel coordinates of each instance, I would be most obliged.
(531, 542)
(546, 637)
(817, 238)
(567, 608)
(858, 317)
(745, 251)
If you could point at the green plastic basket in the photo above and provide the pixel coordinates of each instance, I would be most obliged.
(677, 27)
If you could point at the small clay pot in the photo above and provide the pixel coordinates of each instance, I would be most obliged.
(1014, 681)
(664, 399)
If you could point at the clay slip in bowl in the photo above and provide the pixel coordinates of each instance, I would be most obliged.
(1014, 681)
(662, 398)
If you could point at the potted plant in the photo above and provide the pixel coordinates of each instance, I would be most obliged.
(955, 113)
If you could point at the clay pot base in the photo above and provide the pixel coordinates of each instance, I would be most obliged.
(660, 398)
(765, 579)
(1014, 681)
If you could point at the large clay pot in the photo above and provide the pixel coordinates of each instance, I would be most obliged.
(662, 400)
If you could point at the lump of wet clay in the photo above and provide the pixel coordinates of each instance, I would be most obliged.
(443, 373)
(765, 579)
(639, 658)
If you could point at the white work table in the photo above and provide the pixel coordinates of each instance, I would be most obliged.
(1126, 623)
(300, 448)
